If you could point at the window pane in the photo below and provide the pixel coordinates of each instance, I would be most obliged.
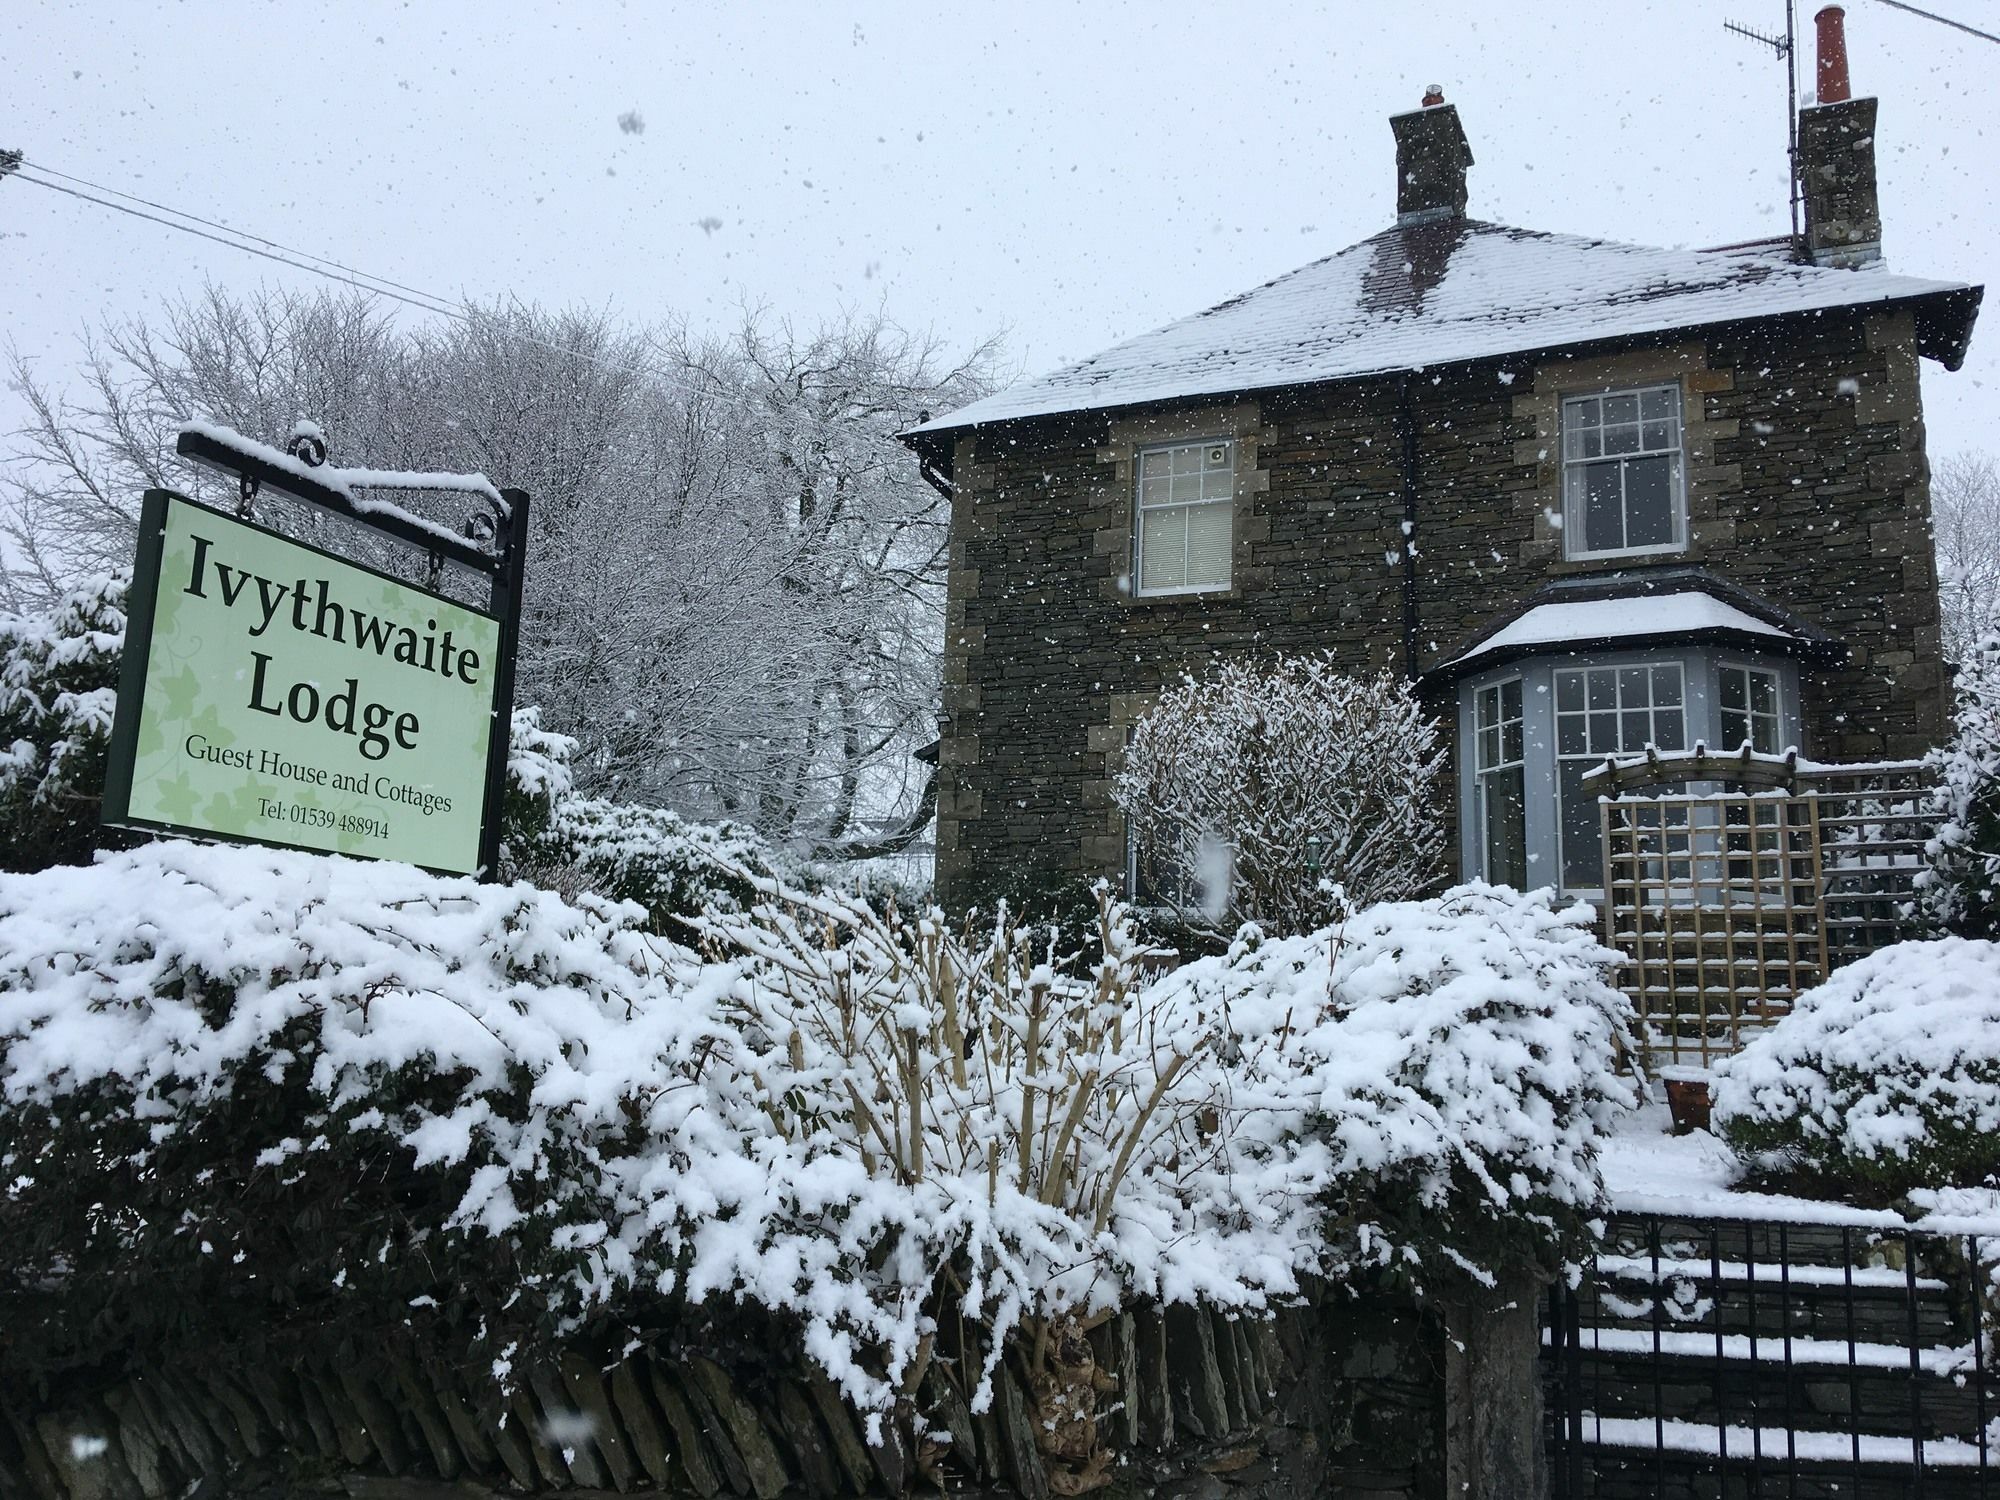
(1505, 833)
(1636, 730)
(1569, 735)
(1155, 462)
(1486, 708)
(1735, 729)
(1670, 729)
(1623, 407)
(1659, 403)
(1603, 734)
(1763, 692)
(1489, 747)
(1621, 439)
(1585, 412)
(1185, 460)
(1216, 457)
(1603, 688)
(1657, 436)
(1603, 509)
(1635, 687)
(1208, 545)
(1582, 840)
(1163, 549)
(1510, 699)
(1764, 735)
(1733, 696)
(1569, 691)
(1649, 502)
(1667, 686)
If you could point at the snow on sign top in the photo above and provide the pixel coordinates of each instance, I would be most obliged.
(1445, 292)
(1610, 619)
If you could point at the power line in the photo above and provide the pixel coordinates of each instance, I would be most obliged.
(226, 228)
(1941, 20)
(364, 281)
(297, 265)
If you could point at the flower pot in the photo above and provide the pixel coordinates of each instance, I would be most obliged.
(1687, 1102)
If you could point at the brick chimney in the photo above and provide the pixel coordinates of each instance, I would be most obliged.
(1431, 158)
(1837, 160)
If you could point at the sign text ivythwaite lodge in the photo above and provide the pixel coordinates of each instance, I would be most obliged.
(277, 693)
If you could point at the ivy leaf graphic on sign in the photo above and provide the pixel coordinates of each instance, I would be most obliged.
(176, 797)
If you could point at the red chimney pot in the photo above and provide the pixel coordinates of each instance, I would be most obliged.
(1833, 85)
(1433, 95)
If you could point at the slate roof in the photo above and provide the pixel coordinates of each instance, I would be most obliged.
(1458, 290)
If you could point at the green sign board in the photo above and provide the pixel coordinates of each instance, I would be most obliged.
(276, 693)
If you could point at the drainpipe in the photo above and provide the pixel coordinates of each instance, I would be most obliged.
(1406, 429)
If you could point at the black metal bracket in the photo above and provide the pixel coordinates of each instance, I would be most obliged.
(253, 473)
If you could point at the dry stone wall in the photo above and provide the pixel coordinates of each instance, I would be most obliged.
(1336, 1397)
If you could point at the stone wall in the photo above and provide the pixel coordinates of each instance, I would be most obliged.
(1806, 478)
(1336, 1397)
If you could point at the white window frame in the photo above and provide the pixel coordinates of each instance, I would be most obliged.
(1573, 494)
(1140, 509)
(1723, 667)
(1593, 757)
(1481, 771)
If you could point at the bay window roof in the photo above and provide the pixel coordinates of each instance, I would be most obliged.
(1637, 608)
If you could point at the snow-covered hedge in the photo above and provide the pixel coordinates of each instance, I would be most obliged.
(1884, 1079)
(1961, 888)
(303, 1093)
(58, 691)
(1437, 1073)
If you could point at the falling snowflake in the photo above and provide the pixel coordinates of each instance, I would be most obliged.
(632, 122)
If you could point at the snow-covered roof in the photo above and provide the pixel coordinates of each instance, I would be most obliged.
(1615, 619)
(1677, 603)
(1455, 290)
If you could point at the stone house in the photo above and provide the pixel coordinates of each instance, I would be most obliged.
(1590, 496)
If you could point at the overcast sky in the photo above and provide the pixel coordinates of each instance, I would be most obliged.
(1068, 173)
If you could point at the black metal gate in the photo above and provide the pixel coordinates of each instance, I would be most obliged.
(1759, 1358)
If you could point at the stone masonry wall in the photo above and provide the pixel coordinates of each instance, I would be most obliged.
(1807, 483)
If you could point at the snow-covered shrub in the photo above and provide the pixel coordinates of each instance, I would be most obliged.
(273, 1088)
(1265, 793)
(539, 780)
(1960, 890)
(1438, 1074)
(264, 1094)
(58, 692)
(1883, 1079)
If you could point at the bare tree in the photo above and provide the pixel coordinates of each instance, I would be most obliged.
(736, 590)
(1965, 521)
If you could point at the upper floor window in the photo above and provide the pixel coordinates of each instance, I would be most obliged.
(1748, 700)
(1186, 516)
(1622, 482)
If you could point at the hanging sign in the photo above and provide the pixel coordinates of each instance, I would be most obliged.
(276, 693)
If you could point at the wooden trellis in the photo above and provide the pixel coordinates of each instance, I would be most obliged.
(1730, 898)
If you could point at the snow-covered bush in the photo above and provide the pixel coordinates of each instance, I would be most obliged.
(58, 692)
(1883, 1079)
(1961, 888)
(1438, 1074)
(263, 1093)
(1263, 793)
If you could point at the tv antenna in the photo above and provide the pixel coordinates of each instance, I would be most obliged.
(1785, 49)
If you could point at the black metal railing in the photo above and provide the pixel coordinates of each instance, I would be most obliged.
(1743, 1357)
